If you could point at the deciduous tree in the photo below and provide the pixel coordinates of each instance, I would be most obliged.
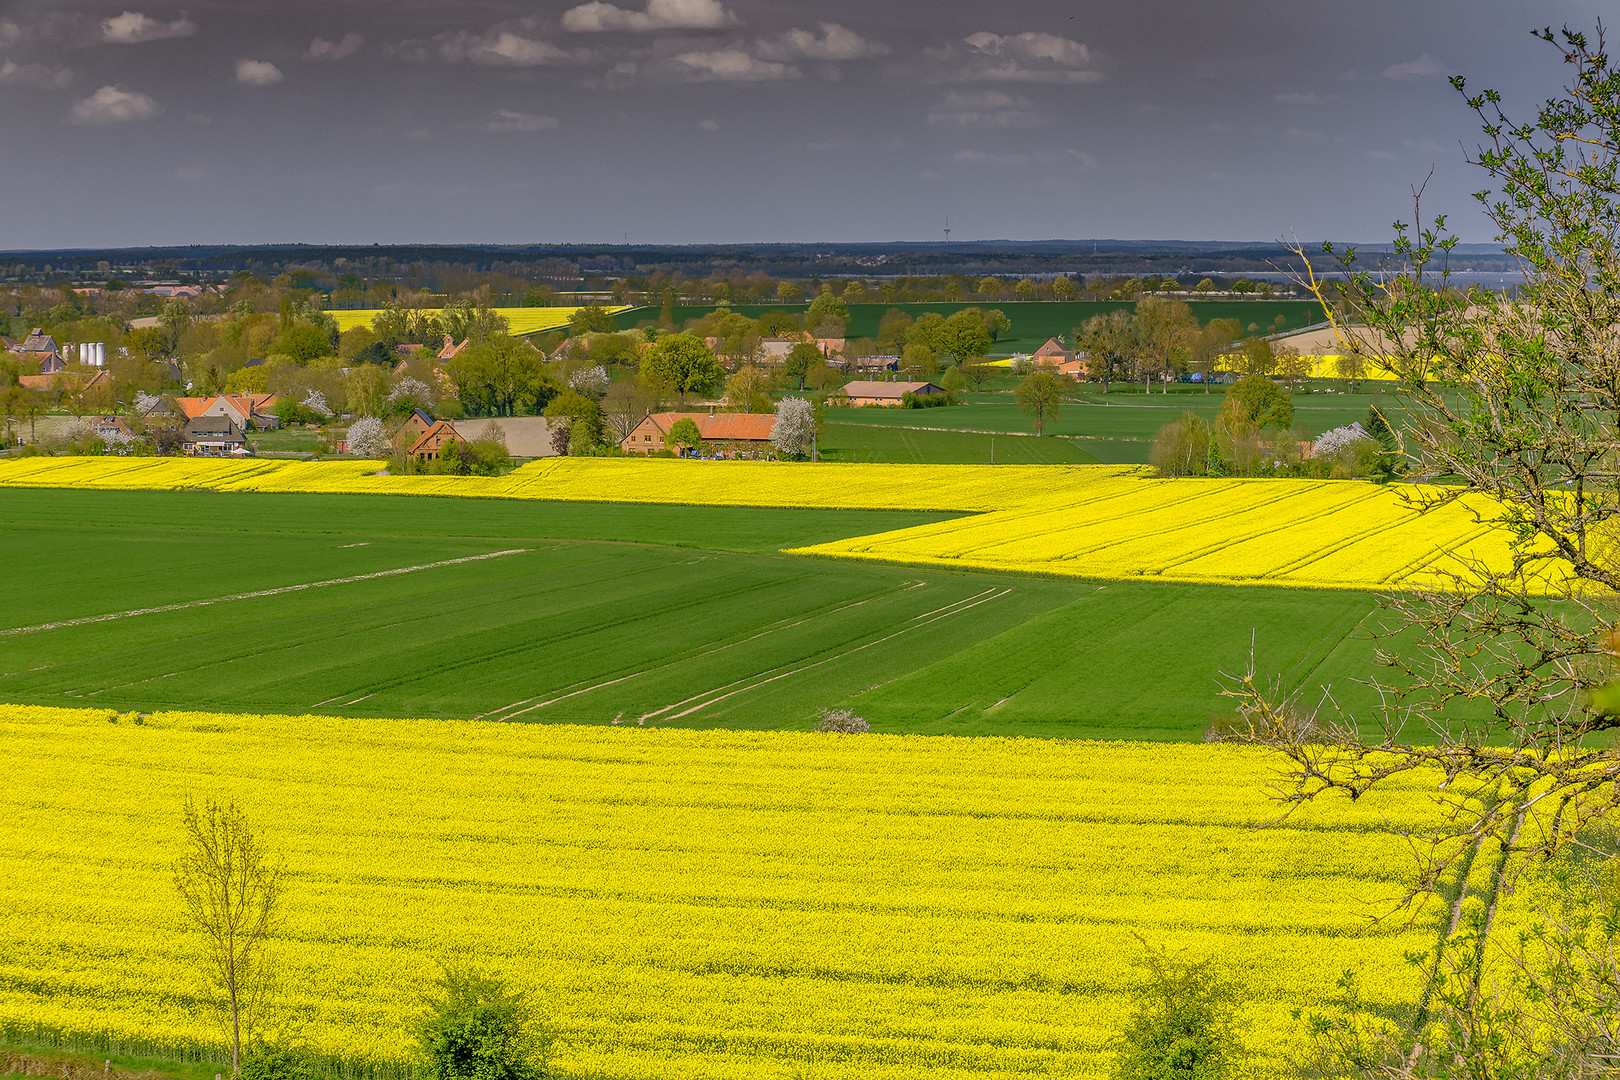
(230, 890)
(1040, 394)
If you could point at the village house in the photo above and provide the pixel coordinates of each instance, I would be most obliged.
(434, 440)
(42, 349)
(451, 350)
(1076, 369)
(111, 428)
(865, 392)
(212, 436)
(729, 435)
(415, 426)
(1052, 353)
(247, 410)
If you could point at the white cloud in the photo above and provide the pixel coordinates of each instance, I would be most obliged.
(1425, 66)
(1021, 160)
(834, 43)
(598, 16)
(1307, 98)
(1380, 155)
(133, 28)
(321, 49)
(984, 108)
(508, 121)
(1027, 57)
(10, 32)
(497, 47)
(257, 73)
(38, 76)
(110, 105)
(730, 65)
(708, 125)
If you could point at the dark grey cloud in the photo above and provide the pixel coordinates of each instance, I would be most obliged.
(695, 120)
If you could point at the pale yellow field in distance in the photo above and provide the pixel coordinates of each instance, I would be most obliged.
(518, 320)
(1096, 521)
(696, 903)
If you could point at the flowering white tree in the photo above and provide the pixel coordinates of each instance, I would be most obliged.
(1340, 438)
(315, 402)
(146, 404)
(591, 381)
(795, 426)
(117, 440)
(413, 393)
(367, 439)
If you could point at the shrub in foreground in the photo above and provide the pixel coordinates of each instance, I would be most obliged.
(477, 1028)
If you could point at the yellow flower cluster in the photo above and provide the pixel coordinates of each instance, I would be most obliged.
(693, 903)
(1098, 521)
(518, 320)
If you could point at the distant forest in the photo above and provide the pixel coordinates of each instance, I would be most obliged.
(442, 267)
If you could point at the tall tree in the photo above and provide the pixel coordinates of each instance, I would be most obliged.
(683, 363)
(230, 888)
(1107, 342)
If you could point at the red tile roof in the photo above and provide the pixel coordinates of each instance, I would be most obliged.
(722, 427)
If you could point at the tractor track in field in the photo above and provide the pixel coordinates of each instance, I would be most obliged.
(87, 620)
(770, 675)
(709, 651)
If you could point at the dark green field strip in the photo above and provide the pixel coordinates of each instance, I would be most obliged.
(862, 442)
(109, 521)
(1134, 416)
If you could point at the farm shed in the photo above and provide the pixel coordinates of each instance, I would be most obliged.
(867, 392)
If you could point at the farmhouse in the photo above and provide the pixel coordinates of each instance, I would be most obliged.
(865, 392)
(728, 434)
(1075, 369)
(213, 435)
(433, 440)
(415, 426)
(1053, 353)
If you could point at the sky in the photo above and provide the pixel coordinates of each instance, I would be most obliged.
(141, 122)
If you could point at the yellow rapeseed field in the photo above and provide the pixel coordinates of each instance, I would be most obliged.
(694, 903)
(1096, 521)
(518, 320)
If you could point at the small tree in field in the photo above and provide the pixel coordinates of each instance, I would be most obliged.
(1040, 395)
(231, 890)
(477, 1028)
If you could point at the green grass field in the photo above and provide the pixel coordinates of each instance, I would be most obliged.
(1033, 321)
(894, 443)
(676, 615)
(1114, 428)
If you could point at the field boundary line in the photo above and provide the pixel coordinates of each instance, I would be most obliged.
(88, 619)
